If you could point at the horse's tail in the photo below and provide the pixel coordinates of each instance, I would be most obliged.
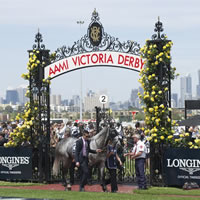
(56, 164)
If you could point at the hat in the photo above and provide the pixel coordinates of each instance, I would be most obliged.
(136, 136)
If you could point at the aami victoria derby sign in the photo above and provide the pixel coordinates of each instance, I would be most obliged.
(181, 165)
(93, 59)
(16, 163)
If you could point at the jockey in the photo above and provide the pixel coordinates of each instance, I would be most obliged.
(61, 131)
(119, 130)
(75, 132)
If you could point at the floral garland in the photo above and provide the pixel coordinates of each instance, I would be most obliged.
(26, 133)
(159, 124)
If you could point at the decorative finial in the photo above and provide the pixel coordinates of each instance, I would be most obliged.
(38, 41)
(95, 15)
(158, 29)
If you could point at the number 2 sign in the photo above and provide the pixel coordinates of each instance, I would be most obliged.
(103, 99)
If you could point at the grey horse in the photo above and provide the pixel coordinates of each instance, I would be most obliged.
(64, 153)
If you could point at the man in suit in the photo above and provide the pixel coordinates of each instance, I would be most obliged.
(81, 157)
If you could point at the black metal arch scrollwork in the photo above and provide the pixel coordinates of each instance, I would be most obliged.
(108, 43)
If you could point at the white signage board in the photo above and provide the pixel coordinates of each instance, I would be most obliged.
(103, 99)
(93, 59)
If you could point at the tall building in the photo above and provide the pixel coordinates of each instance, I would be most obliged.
(58, 100)
(53, 99)
(92, 99)
(134, 96)
(174, 99)
(186, 89)
(12, 96)
(21, 94)
(198, 91)
(76, 100)
(198, 86)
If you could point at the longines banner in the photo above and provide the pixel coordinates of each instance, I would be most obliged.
(115, 59)
(16, 163)
(181, 165)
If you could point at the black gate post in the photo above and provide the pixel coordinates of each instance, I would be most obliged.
(164, 81)
(39, 89)
(98, 118)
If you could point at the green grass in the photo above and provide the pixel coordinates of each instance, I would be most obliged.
(168, 191)
(154, 193)
(82, 195)
(18, 184)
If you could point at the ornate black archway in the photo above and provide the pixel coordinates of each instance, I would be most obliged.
(96, 48)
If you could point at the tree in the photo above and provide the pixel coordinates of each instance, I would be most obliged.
(1, 109)
(140, 116)
(8, 109)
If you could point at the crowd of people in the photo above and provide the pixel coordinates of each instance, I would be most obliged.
(5, 129)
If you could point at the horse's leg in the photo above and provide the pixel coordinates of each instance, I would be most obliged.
(66, 166)
(102, 178)
(71, 173)
(64, 174)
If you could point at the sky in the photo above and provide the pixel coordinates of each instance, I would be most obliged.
(123, 19)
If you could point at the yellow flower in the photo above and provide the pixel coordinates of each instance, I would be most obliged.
(156, 107)
(181, 135)
(162, 137)
(197, 141)
(161, 54)
(155, 140)
(162, 106)
(152, 99)
(187, 134)
(170, 137)
(149, 138)
(150, 110)
(157, 121)
(189, 143)
(160, 92)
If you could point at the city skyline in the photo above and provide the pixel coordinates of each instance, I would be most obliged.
(188, 90)
(135, 22)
